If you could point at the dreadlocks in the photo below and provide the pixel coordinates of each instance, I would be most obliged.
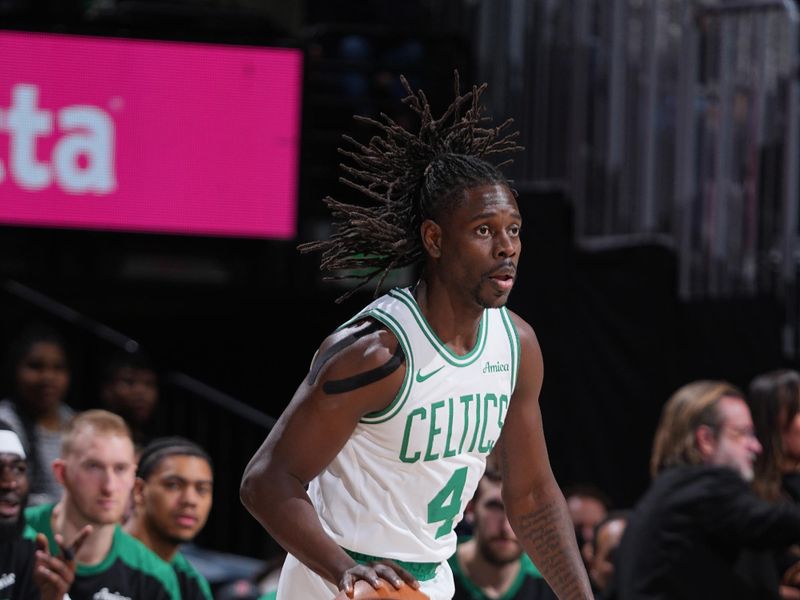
(406, 179)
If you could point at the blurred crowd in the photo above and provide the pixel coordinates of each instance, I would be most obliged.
(144, 498)
(720, 519)
(91, 503)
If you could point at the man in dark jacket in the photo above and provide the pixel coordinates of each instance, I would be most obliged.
(691, 526)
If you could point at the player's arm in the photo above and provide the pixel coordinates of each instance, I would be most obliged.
(357, 370)
(534, 503)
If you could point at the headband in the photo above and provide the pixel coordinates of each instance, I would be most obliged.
(10, 444)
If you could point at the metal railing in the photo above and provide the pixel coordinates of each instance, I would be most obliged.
(229, 429)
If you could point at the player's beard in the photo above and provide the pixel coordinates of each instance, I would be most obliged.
(498, 559)
(176, 540)
(11, 530)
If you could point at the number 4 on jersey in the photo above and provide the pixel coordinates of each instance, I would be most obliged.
(446, 505)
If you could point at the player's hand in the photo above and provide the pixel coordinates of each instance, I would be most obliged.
(374, 573)
(54, 574)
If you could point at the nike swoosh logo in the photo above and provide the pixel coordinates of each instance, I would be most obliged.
(421, 377)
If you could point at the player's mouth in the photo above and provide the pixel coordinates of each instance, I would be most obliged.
(186, 520)
(10, 505)
(505, 542)
(503, 279)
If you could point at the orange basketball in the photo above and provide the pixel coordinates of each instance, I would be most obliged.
(364, 591)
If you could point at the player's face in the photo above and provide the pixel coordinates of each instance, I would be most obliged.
(495, 538)
(42, 377)
(481, 245)
(13, 490)
(176, 498)
(98, 475)
(737, 445)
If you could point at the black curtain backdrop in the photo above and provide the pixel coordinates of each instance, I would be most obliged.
(617, 342)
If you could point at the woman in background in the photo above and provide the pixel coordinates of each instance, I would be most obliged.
(774, 399)
(39, 377)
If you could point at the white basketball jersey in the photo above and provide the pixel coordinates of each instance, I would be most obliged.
(401, 482)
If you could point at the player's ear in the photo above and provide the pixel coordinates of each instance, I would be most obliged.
(138, 491)
(58, 467)
(431, 235)
(706, 440)
(469, 512)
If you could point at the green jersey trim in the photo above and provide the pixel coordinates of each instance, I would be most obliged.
(529, 567)
(124, 547)
(513, 338)
(422, 571)
(526, 569)
(405, 389)
(404, 296)
(181, 565)
(103, 565)
(38, 518)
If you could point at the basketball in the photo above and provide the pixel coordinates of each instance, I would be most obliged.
(364, 591)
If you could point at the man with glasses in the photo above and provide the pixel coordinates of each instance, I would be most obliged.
(690, 528)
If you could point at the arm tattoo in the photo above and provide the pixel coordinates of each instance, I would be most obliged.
(547, 534)
(348, 384)
(351, 339)
(549, 531)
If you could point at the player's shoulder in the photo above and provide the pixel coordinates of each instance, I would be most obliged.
(38, 517)
(138, 557)
(366, 341)
(191, 581)
(524, 330)
(181, 563)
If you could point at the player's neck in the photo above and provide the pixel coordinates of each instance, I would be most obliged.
(68, 521)
(493, 580)
(455, 323)
(139, 528)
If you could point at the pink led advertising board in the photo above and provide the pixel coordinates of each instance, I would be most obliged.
(149, 136)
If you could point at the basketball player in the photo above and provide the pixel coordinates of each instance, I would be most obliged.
(172, 495)
(97, 471)
(391, 428)
(16, 549)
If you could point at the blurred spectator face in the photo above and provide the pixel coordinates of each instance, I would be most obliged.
(495, 538)
(790, 437)
(132, 393)
(176, 498)
(586, 512)
(735, 445)
(98, 473)
(13, 494)
(607, 541)
(42, 377)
